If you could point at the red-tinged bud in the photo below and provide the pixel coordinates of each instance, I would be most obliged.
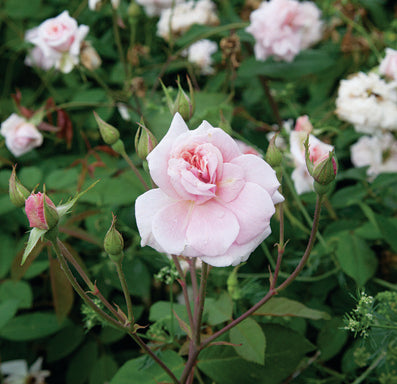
(18, 193)
(114, 243)
(324, 171)
(144, 141)
(41, 211)
(303, 124)
(273, 154)
(110, 134)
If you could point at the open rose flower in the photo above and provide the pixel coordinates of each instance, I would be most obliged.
(213, 202)
(318, 152)
(21, 136)
(282, 28)
(57, 43)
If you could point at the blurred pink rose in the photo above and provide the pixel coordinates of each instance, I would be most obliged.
(34, 207)
(388, 65)
(318, 150)
(213, 202)
(59, 41)
(282, 28)
(246, 149)
(21, 136)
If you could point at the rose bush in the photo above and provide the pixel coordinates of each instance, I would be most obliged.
(21, 136)
(213, 202)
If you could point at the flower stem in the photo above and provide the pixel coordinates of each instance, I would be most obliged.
(126, 293)
(135, 170)
(265, 84)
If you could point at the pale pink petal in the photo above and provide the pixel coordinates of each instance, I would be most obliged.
(169, 226)
(146, 207)
(159, 157)
(277, 198)
(212, 229)
(232, 182)
(253, 208)
(303, 182)
(237, 254)
(259, 172)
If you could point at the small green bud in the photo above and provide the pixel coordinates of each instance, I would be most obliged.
(118, 147)
(18, 193)
(134, 10)
(114, 243)
(110, 134)
(273, 154)
(144, 141)
(324, 172)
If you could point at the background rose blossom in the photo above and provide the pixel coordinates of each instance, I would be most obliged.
(155, 7)
(200, 53)
(213, 202)
(21, 136)
(59, 41)
(282, 28)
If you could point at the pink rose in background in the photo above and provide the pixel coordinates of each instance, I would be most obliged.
(212, 201)
(34, 207)
(282, 28)
(319, 151)
(21, 136)
(59, 41)
(388, 65)
(246, 149)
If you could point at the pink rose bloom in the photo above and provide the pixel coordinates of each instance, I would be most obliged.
(282, 28)
(59, 40)
(213, 202)
(388, 65)
(34, 207)
(318, 150)
(246, 149)
(21, 136)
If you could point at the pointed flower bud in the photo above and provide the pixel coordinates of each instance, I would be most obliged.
(110, 134)
(18, 193)
(41, 211)
(273, 154)
(144, 141)
(113, 242)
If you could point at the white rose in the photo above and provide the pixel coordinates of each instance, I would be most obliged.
(21, 136)
(200, 53)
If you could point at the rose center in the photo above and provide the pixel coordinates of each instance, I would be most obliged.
(197, 164)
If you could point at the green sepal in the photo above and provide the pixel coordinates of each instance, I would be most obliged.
(35, 235)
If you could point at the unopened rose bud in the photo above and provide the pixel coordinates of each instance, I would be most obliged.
(144, 142)
(184, 104)
(110, 134)
(18, 193)
(41, 211)
(133, 10)
(114, 243)
(324, 170)
(303, 124)
(273, 154)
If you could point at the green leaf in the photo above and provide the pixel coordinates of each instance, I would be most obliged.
(251, 339)
(348, 196)
(35, 235)
(8, 309)
(331, 339)
(104, 369)
(308, 62)
(143, 370)
(64, 342)
(220, 310)
(388, 229)
(62, 178)
(281, 306)
(31, 326)
(17, 290)
(356, 258)
(30, 176)
(21, 9)
(285, 348)
(82, 363)
(7, 252)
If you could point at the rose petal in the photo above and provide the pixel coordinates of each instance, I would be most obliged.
(158, 158)
(232, 182)
(212, 229)
(169, 226)
(259, 172)
(253, 208)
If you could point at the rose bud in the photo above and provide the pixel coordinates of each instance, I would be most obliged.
(273, 154)
(184, 104)
(41, 211)
(144, 141)
(18, 193)
(114, 243)
(110, 134)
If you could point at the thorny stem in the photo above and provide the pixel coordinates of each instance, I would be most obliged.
(182, 282)
(126, 293)
(201, 299)
(280, 247)
(93, 288)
